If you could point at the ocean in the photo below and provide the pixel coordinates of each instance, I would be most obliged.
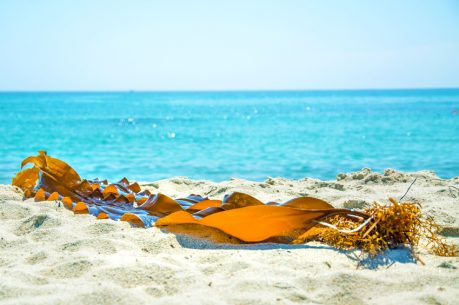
(147, 136)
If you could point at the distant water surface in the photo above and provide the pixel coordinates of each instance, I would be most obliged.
(219, 135)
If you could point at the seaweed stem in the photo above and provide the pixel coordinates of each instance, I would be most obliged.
(453, 187)
(371, 228)
(408, 189)
(326, 224)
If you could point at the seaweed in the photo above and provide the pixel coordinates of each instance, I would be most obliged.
(239, 217)
(389, 226)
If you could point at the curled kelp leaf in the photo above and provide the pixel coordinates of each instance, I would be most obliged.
(239, 200)
(203, 205)
(161, 205)
(58, 176)
(26, 180)
(307, 203)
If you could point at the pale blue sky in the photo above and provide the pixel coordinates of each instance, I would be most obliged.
(228, 45)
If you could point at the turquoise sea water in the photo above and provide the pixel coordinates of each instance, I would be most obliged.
(219, 135)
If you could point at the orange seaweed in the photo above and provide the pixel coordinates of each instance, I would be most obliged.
(53, 196)
(80, 208)
(202, 205)
(40, 195)
(67, 202)
(239, 216)
(26, 180)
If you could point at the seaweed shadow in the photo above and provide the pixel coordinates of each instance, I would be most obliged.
(197, 243)
(386, 259)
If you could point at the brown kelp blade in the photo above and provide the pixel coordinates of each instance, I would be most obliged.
(26, 180)
(58, 176)
(239, 200)
(306, 203)
(202, 205)
(255, 223)
(161, 205)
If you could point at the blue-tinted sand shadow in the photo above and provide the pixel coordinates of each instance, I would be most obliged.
(204, 244)
(386, 259)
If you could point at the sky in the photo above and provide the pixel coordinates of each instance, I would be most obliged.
(227, 45)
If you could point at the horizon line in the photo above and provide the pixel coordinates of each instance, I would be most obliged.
(225, 90)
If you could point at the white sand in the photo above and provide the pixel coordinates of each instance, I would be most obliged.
(50, 256)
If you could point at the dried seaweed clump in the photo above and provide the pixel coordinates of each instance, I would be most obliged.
(391, 226)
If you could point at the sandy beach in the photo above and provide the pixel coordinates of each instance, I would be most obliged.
(48, 255)
(229, 152)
